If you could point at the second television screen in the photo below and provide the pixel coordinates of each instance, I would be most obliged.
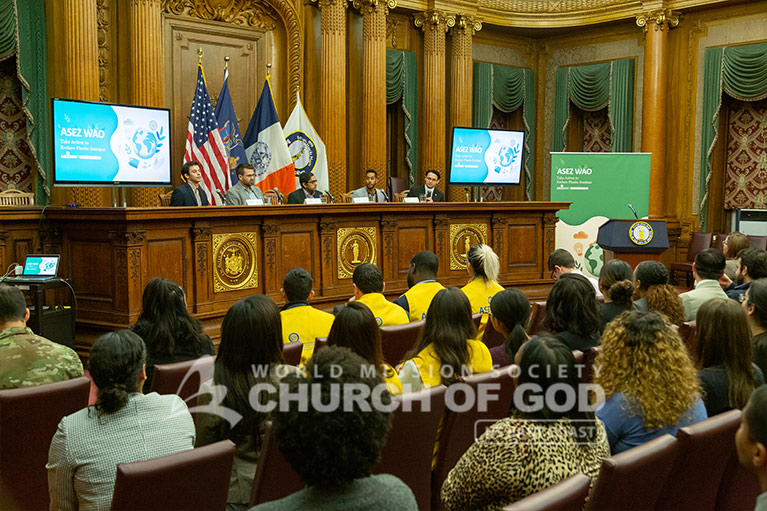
(486, 157)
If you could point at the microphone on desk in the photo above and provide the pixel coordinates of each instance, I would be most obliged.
(633, 211)
(279, 196)
(220, 194)
(385, 196)
(466, 189)
(330, 196)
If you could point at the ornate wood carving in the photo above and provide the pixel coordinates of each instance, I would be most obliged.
(128, 238)
(122, 265)
(201, 233)
(270, 253)
(135, 265)
(660, 19)
(104, 52)
(270, 229)
(202, 260)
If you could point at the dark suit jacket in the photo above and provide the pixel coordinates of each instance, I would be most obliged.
(184, 196)
(437, 196)
(298, 196)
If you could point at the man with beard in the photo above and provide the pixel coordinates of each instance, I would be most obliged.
(752, 265)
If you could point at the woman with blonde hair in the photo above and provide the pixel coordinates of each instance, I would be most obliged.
(733, 244)
(483, 266)
(655, 293)
(650, 385)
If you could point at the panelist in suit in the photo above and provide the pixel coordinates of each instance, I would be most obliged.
(243, 190)
(369, 190)
(190, 193)
(308, 189)
(429, 191)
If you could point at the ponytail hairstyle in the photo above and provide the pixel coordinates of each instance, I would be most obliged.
(115, 363)
(512, 308)
(617, 281)
(484, 262)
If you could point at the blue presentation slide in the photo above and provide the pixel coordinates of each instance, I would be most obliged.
(103, 143)
(491, 157)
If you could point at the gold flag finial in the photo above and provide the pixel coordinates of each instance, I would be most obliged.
(268, 70)
(226, 62)
(199, 55)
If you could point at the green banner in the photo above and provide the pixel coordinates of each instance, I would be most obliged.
(600, 187)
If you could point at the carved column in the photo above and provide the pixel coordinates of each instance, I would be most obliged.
(271, 269)
(203, 263)
(79, 68)
(656, 25)
(128, 249)
(461, 82)
(374, 84)
(146, 74)
(333, 87)
(329, 258)
(434, 25)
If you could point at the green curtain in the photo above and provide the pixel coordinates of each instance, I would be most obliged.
(7, 28)
(402, 83)
(741, 72)
(591, 88)
(507, 89)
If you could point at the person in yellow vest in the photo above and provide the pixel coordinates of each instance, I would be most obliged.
(368, 284)
(422, 281)
(300, 321)
(482, 265)
(356, 328)
(446, 349)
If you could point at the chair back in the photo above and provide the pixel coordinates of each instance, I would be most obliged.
(758, 241)
(566, 495)
(14, 197)
(28, 419)
(738, 488)
(274, 197)
(197, 479)
(275, 477)
(165, 198)
(461, 427)
(688, 331)
(537, 319)
(492, 337)
(400, 197)
(409, 450)
(717, 240)
(292, 352)
(320, 342)
(183, 378)
(397, 185)
(704, 450)
(634, 479)
(346, 197)
(588, 364)
(397, 340)
(698, 241)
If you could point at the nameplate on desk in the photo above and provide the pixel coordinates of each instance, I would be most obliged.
(360, 200)
(411, 199)
(254, 202)
(313, 200)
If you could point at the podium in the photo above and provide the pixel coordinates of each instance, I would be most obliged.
(615, 238)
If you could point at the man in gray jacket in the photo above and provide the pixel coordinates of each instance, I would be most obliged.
(369, 190)
(243, 190)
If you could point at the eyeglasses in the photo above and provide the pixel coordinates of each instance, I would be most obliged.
(312, 181)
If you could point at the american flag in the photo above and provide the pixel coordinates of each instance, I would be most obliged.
(204, 144)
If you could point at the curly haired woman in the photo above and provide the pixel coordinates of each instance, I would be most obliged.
(655, 293)
(650, 385)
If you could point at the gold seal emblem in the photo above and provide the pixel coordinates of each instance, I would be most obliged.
(356, 245)
(640, 233)
(234, 265)
(462, 238)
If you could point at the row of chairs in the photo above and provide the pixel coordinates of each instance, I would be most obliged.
(703, 240)
(697, 469)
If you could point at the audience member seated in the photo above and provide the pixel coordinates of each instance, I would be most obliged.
(370, 191)
(751, 441)
(170, 333)
(655, 293)
(509, 312)
(616, 281)
(300, 321)
(516, 457)
(706, 270)
(446, 349)
(724, 353)
(429, 188)
(334, 451)
(27, 359)
(751, 265)
(733, 244)
(562, 262)
(650, 384)
(422, 284)
(755, 305)
(123, 426)
(355, 328)
(250, 353)
(572, 312)
(483, 266)
(369, 285)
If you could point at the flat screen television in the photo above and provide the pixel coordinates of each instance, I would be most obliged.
(486, 157)
(105, 144)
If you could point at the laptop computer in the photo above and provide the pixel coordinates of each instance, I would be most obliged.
(40, 267)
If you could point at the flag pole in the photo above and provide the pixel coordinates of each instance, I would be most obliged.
(199, 55)
(226, 63)
(268, 70)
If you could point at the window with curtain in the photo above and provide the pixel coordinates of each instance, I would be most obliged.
(402, 114)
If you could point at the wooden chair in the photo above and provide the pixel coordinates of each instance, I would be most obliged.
(14, 197)
(758, 241)
(165, 198)
(698, 241)
(183, 378)
(275, 477)
(28, 419)
(197, 479)
(274, 197)
(537, 319)
(566, 495)
(346, 197)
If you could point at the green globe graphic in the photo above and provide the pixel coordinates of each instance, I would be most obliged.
(144, 144)
(593, 259)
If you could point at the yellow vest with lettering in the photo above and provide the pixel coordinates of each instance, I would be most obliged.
(429, 365)
(391, 378)
(419, 298)
(479, 294)
(386, 312)
(303, 323)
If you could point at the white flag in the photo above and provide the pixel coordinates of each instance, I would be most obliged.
(306, 146)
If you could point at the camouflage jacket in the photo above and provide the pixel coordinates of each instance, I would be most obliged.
(27, 359)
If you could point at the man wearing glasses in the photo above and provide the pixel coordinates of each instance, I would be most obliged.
(308, 189)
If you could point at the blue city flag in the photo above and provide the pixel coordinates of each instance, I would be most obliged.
(227, 126)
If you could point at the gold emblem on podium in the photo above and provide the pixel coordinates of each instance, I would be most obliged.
(234, 261)
(462, 238)
(356, 245)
